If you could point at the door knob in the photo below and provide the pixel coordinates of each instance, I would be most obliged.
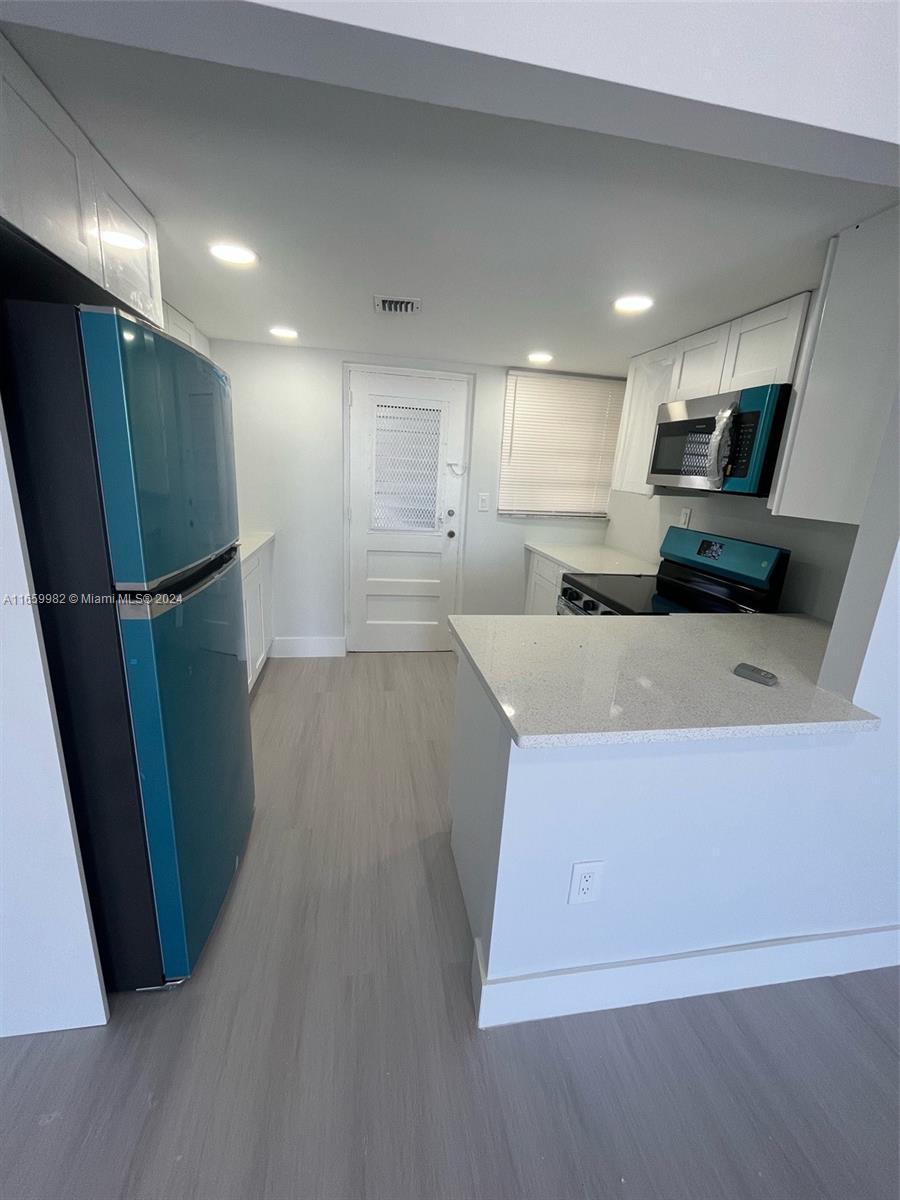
(451, 533)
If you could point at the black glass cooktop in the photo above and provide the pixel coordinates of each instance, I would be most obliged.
(626, 594)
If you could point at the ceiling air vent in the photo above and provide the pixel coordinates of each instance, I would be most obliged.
(397, 304)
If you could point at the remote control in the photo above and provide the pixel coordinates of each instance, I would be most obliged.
(756, 674)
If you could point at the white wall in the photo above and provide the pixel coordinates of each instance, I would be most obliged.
(49, 971)
(288, 419)
(820, 551)
(289, 447)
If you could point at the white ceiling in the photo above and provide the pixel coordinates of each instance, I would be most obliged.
(517, 236)
(718, 53)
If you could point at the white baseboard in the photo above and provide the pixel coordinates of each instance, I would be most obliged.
(511, 999)
(309, 647)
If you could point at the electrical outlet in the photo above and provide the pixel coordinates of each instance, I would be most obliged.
(484, 501)
(685, 518)
(585, 882)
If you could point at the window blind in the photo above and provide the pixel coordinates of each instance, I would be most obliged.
(559, 442)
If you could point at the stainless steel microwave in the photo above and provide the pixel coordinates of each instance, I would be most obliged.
(725, 443)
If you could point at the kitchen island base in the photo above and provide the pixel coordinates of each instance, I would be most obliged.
(727, 862)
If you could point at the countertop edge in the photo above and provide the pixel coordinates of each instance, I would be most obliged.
(623, 737)
(252, 543)
(626, 737)
(535, 548)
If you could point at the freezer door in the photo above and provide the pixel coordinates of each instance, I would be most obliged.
(162, 427)
(187, 683)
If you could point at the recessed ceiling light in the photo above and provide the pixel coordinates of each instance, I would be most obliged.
(125, 241)
(540, 358)
(283, 331)
(232, 253)
(632, 304)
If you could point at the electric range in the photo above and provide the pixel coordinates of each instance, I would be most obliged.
(699, 572)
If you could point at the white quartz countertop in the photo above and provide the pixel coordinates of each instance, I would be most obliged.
(594, 560)
(251, 542)
(574, 681)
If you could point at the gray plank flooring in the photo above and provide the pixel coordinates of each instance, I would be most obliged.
(326, 1048)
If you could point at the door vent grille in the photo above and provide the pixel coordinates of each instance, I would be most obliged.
(397, 304)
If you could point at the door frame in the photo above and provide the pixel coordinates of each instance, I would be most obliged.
(467, 377)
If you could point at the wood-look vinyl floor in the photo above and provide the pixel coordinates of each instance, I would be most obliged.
(326, 1048)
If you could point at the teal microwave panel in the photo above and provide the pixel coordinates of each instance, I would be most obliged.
(759, 416)
(163, 432)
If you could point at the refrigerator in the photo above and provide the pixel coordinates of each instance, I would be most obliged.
(121, 443)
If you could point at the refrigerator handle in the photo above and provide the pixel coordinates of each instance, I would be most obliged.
(147, 610)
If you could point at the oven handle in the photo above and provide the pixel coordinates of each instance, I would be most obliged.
(565, 609)
(720, 445)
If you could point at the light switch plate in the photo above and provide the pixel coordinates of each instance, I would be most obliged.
(484, 501)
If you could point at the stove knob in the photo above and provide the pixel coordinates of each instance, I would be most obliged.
(590, 606)
(569, 593)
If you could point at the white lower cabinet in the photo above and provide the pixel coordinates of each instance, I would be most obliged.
(256, 579)
(542, 587)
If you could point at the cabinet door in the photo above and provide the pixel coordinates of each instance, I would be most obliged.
(649, 384)
(253, 619)
(699, 362)
(845, 395)
(762, 347)
(247, 653)
(130, 256)
(544, 597)
(178, 325)
(46, 176)
(201, 342)
(266, 572)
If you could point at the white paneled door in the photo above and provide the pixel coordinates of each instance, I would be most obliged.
(407, 456)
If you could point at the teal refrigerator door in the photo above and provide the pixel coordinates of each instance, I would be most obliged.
(163, 434)
(187, 683)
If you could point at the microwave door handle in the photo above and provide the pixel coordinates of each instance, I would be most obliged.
(720, 446)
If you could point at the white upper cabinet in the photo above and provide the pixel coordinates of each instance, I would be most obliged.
(698, 364)
(762, 347)
(847, 380)
(759, 348)
(183, 328)
(128, 249)
(649, 385)
(46, 173)
(55, 187)
(178, 325)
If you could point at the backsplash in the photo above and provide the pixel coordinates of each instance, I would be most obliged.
(820, 550)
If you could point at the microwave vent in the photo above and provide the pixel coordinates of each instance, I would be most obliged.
(397, 304)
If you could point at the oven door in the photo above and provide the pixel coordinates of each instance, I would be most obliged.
(692, 442)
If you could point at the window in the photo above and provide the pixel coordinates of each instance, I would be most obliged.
(559, 441)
